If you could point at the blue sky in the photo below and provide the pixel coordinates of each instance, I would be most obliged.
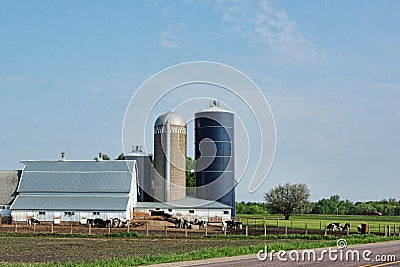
(329, 70)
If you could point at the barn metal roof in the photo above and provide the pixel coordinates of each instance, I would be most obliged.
(187, 202)
(8, 186)
(70, 203)
(76, 177)
(78, 165)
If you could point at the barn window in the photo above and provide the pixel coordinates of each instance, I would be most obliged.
(42, 213)
(226, 211)
(191, 211)
(69, 213)
(96, 213)
(2, 207)
(169, 210)
(157, 208)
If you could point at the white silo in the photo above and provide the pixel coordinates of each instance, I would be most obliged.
(169, 157)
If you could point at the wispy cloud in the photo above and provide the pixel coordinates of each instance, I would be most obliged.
(170, 37)
(25, 78)
(262, 23)
(121, 83)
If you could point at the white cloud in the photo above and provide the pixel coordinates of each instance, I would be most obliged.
(119, 83)
(169, 38)
(261, 23)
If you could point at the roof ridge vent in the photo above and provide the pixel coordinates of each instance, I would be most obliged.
(100, 157)
(62, 156)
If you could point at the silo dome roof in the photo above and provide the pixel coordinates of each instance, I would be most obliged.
(171, 117)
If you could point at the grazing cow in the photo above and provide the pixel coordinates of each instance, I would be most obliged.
(346, 227)
(98, 222)
(334, 227)
(234, 224)
(31, 221)
(359, 229)
(90, 221)
(199, 222)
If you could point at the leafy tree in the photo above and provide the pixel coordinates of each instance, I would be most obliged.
(120, 157)
(190, 175)
(104, 157)
(287, 198)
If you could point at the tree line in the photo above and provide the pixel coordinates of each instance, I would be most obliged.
(290, 199)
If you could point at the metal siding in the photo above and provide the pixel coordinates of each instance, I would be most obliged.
(144, 165)
(216, 182)
(70, 203)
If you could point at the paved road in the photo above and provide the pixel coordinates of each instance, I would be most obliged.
(376, 254)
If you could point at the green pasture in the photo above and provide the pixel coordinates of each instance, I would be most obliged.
(317, 222)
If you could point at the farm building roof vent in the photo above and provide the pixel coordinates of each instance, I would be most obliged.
(62, 156)
(100, 157)
(137, 148)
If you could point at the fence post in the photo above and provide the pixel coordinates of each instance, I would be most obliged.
(369, 229)
(90, 229)
(285, 229)
(205, 229)
(394, 230)
(34, 228)
(388, 230)
(70, 231)
(109, 229)
(52, 227)
(225, 230)
(325, 234)
(127, 227)
(247, 221)
(147, 229)
(15, 227)
(166, 234)
(265, 230)
(306, 227)
(385, 229)
(247, 230)
(185, 231)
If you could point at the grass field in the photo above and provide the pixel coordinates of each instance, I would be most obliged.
(315, 222)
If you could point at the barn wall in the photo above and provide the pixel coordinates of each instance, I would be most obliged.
(77, 216)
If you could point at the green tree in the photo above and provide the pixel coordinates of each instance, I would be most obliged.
(104, 157)
(190, 175)
(287, 198)
(120, 157)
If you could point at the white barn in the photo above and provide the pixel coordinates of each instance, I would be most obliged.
(74, 191)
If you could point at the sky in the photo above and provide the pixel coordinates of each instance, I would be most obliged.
(329, 70)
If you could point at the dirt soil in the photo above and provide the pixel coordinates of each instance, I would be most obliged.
(61, 250)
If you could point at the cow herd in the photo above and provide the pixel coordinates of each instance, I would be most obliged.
(113, 223)
(336, 226)
(187, 224)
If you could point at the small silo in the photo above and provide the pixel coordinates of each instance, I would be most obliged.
(214, 154)
(169, 157)
(143, 163)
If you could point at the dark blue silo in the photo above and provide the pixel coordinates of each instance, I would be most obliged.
(214, 155)
(143, 163)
